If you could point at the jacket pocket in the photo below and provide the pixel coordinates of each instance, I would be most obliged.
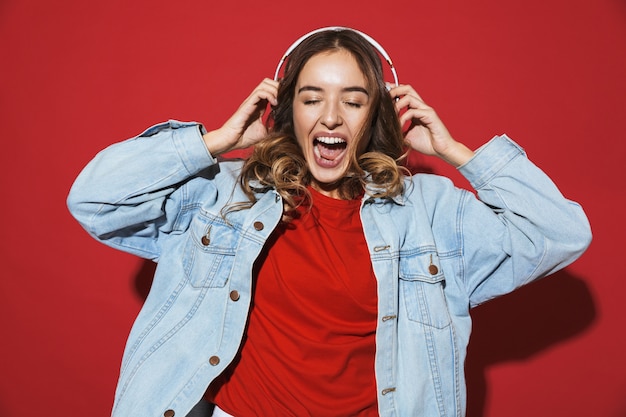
(422, 285)
(210, 251)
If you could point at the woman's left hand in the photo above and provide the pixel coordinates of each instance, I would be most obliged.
(426, 132)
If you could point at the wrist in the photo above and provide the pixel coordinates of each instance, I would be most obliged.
(458, 155)
(217, 142)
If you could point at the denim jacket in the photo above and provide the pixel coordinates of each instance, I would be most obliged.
(436, 251)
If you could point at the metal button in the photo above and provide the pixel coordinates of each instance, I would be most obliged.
(214, 360)
(169, 413)
(234, 295)
(206, 239)
(432, 268)
(387, 391)
(258, 226)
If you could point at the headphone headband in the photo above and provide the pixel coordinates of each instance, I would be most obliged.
(368, 38)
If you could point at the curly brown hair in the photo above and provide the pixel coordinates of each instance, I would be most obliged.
(278, 162)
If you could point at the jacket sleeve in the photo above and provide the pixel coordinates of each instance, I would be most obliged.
(525, 228)
(129, 194)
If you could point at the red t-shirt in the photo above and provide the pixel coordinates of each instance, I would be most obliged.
(310, 342)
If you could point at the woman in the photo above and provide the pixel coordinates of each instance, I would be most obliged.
(317, 278)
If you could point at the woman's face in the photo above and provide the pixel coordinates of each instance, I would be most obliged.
(331, 104)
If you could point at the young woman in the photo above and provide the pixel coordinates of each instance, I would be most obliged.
(317, 277)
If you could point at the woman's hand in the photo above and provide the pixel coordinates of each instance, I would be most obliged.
(245, 127)
(426, 132)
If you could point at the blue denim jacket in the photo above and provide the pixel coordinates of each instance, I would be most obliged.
(436, 252)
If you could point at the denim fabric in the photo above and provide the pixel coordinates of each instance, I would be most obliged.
(436, 252)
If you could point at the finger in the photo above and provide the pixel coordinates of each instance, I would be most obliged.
(424, 116)
(271, 82)
(411, 102)
(404, 90)
(260, 96)
(269, 91)
(265, 96)
(266, 89)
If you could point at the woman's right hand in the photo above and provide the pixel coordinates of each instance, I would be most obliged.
(245, 127)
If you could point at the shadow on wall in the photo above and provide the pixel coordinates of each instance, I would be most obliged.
(511, 328)
(521, 324)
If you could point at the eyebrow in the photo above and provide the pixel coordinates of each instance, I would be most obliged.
(345, 90)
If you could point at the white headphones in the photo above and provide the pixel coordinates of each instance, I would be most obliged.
(369, 39)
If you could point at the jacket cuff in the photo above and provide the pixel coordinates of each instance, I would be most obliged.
(490, 159)
(188, 143)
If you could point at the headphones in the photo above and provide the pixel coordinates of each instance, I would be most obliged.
(368, 38)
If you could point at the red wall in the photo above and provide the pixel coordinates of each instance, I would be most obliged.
(78, 75)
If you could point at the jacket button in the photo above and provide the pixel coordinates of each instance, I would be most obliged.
(258, 226)
(205, 240)
(234, 295)
(169, 413)
(433, 269)
(213, 360)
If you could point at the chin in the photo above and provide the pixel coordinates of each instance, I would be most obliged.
(327, 178)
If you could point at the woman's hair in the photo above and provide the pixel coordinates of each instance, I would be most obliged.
(278, 161)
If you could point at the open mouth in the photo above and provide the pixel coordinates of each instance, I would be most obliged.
(328, 150)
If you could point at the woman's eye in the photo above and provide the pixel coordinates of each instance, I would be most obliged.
(354, 104)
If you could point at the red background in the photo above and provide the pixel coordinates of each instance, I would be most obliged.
(77, 75)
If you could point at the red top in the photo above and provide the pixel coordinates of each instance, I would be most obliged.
(310, 342)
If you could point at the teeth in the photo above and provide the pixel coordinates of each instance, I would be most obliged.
(330, 140)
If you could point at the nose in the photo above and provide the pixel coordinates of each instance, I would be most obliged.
(331, 117)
